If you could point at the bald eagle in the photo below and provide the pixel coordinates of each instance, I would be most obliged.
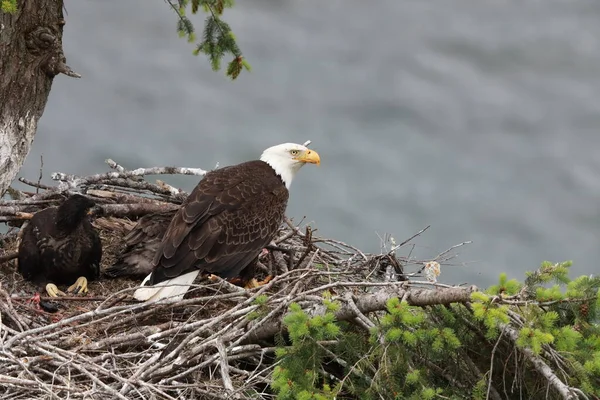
(230, 216)
(60, 245)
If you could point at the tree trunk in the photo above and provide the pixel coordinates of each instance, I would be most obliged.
(31, 55)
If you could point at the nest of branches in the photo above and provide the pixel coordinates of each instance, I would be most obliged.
(219, 341)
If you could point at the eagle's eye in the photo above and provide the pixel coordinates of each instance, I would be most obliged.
(294, 152)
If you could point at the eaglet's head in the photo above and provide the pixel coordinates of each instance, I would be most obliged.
(287, 158)
(74, 209)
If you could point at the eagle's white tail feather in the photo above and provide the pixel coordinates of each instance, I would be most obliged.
(174, 289)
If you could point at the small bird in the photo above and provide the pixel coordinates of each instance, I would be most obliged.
(223, 225)
(60, 245)
(142, 242)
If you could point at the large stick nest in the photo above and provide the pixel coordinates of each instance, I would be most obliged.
(206, 346)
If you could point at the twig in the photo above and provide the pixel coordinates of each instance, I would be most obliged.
(75, 180)
(541, 367)
(491, 372)
(36, 185)
(452, 248)
(8, 256)
(411, 238)
(224, 364)
(37, 188)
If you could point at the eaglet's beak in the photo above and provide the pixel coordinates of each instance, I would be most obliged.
(95, 211)
(309, 156)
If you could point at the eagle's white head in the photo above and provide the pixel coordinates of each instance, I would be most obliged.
(287, 158)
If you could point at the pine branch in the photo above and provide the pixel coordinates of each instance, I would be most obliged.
(218, 38)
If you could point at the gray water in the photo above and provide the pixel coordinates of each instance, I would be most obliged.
(479, 118)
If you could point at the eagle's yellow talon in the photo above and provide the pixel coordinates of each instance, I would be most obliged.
(80, 286)
(53, 290)
(253, 283)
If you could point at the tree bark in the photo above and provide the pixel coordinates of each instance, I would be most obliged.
(31, 55)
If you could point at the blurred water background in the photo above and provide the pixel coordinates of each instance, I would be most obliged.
(477, 118)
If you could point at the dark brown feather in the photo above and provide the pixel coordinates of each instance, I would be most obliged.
(60, 244)
(224, 224)
(142, 242)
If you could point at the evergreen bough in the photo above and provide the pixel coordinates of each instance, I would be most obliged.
(217, 38)
(8, 6)
(492, 347)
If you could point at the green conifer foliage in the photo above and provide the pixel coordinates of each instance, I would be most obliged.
(299, 374)
(217, 38)
(8, 6)
(491, 347)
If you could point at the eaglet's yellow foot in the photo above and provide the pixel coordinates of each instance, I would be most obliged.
(80, 286)
(53, 290)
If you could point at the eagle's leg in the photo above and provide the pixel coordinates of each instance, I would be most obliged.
(80, 286)
(53, 290)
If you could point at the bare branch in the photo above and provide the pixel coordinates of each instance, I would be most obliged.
(566, 392)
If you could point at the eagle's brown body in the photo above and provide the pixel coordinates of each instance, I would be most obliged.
(225, 222)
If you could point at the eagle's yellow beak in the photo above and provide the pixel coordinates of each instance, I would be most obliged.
(309, 156)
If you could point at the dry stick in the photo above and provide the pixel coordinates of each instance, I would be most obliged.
(108, 313)
(81, 369)
(127, 339)
(452, 248)
(195, 367)
(36, 185)
(67, 321)
(43, 387)
(145, 373)
(489, 389)
(136, 210)
(29, 384)
(8, 256)
(206, 342)
(7, 305)
(28, 202)
(13, 210)
(224, 364)
(410, 238)
(541, 367)
(59, 176)
(18, 217)
(284, 304)
(204, 327)
(75, 298)
(37, 189)
(114, 165)
(141, 185)
(360, 317)
(120, 197)
(343, 247)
